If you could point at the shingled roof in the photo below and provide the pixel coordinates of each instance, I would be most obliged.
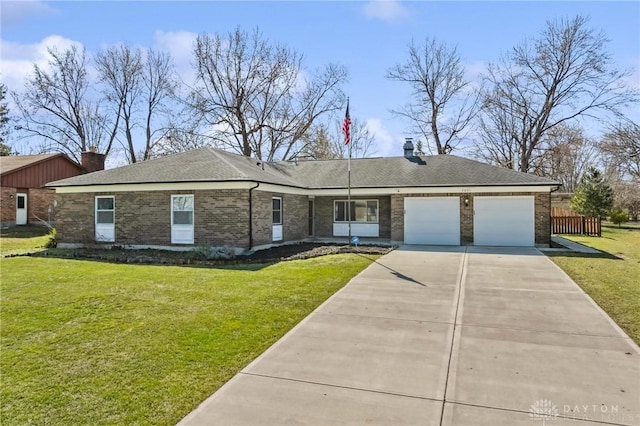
(213, 165)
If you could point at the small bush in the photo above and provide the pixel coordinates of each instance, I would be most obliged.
(52, 242)
(618, 216)
(212, 253)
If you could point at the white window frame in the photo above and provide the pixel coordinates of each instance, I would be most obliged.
(335, 210)
(105, 232)
(277, 230)
(274, 210)
(182, 233)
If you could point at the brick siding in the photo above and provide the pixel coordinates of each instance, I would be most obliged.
(221, 218)
(39, 201)
(7, 206)
(294, 217)
(542, 212)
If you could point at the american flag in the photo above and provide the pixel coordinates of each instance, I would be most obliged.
(346, 126)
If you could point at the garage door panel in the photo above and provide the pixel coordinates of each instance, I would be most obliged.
(432, 220)
(504, 221)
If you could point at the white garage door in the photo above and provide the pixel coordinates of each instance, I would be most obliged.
(432, 220)
(504, 221)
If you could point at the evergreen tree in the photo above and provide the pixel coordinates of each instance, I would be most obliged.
(593, 197)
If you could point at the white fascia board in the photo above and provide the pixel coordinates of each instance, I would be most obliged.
(269, 187)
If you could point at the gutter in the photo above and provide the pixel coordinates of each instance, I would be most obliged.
(251, 215)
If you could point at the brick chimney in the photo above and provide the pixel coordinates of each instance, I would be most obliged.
(408, 148)
(92, 161)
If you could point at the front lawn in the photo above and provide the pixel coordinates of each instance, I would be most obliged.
(22, 239)
(85, 342)
(611, 279)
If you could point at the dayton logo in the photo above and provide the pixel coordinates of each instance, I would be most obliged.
(543, 410)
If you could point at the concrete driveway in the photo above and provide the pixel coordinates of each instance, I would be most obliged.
(443, 336)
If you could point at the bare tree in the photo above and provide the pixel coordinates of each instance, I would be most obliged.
(562, 75)
(442, 104)
(159, 86)
(567, 155)
(5, 148)
(255, 97)
(182, 134)
(323, 142)
(627, 196)
(621, 145)
(137, 85)
(119, 68)
(55, 107)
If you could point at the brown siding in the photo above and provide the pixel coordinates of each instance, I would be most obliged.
(39, 174)
(324, 215)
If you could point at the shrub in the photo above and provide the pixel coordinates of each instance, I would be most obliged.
(52, 242)
(618, 216)
(204, 252)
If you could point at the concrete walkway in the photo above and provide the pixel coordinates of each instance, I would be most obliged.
(443, 336)
(573, 246)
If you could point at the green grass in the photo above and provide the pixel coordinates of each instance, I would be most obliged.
(611, 279)
(23, 239)
(85, 342)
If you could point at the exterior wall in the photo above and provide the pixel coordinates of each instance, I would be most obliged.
(7, 206)
(41, 173)
(75, 218)
(542, 212)
(221, 218)
(324, 215)
(39, 201)
(294, 217)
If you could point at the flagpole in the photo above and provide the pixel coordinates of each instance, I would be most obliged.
(349, 177)
(349, 191)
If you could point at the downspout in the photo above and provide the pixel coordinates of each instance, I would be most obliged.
(251, 215)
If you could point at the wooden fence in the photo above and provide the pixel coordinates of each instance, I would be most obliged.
(576, 225)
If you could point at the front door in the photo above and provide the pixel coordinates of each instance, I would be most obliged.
(21, 209)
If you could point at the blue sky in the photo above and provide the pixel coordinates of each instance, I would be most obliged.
(368, 37)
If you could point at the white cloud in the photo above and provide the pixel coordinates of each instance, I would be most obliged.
(386, 10)
(18, 58)
(180, 45)
(385, 144)
(13, 13)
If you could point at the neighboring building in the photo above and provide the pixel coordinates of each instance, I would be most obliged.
(23, 196)
(216, 198)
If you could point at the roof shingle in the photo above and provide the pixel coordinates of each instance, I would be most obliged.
(213, 165)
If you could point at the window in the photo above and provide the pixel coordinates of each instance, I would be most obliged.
(361, 211)
(21, 201)
(182, 229)
(277, 210)
(182, 209)
(105, 210)
(105, 230)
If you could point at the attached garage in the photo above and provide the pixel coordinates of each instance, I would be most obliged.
(432, 220)
(504, 221)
